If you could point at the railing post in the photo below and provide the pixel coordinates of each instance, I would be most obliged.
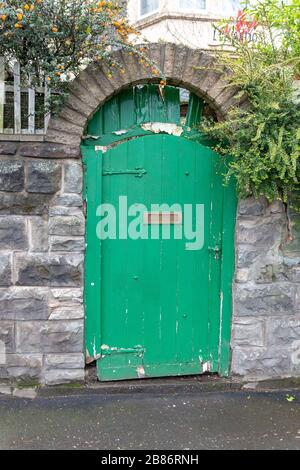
(17, 98)
(31, 109)
(46, 104)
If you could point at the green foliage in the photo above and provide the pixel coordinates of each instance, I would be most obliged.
(56, 38)
(263, 139)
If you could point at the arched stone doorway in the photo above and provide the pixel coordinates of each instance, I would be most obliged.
(42, 267)
(187, 68)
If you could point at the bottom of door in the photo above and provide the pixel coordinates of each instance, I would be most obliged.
(135, 369)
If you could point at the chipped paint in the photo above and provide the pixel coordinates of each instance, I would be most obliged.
(89, 359)
(121, 132)
(141, 372)
(221, 323)
(163, 127)
(206, 367)
(107, 350)
(101, 148)
(147, 125)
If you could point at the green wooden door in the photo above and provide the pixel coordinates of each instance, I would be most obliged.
(158, 297)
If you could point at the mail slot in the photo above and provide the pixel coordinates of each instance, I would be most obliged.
(163, 218)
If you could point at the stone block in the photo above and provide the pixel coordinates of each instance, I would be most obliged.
(248, 332)
(73, 178)
(72, 225)
(49, 270)
(66, 304)
(47, 150)
(68, 200)
(23, 204)
(291, 247)
(247, 255)
(24, 368)
(64, 361)
(8, 148)
(64, 211)
(50, 337)
(270, 273)
(13, 233)
(44, 177)
(267, 300)
(253, 362)
(242, 275)
(24, 303)
(69, 244)
(7, 337)
(252, 207)
(261, 233)
(38, 229)
(27, 393)
(283, 332)
(11, 175)
(60, 376)
(5, 269)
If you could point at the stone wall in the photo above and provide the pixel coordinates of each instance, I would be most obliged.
(42, 227)
(266, 318)
(42, 237)
(41, 263)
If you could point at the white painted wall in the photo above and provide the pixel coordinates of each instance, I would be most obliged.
(175, 23)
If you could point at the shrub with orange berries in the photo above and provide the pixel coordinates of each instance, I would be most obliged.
(54, 41)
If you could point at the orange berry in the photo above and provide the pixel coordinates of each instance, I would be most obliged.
(26, 7)
(54, 29)
(19, 16)
(3, 17)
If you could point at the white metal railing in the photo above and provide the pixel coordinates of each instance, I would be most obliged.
(19, 105)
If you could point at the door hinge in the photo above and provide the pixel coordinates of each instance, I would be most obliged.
(108, 351)
(137, 172)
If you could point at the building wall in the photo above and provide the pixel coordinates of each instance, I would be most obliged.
(171, 24)
(41, 263)
(42, 228)
(266, 313)
(42, 225)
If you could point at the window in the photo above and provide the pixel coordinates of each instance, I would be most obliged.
(148, 6)
(192, 5)
(233, 5)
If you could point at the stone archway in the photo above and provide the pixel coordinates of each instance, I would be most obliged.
(183, 67)
(42, 266)
(188, 68)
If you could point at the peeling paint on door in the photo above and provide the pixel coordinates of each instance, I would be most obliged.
(163, 128)
(170, 295)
